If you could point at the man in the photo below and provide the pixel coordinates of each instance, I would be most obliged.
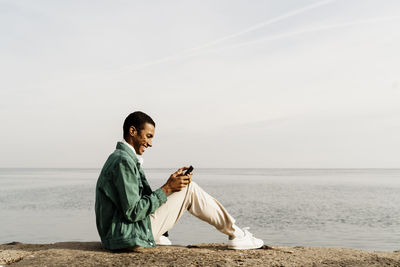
(129, 213)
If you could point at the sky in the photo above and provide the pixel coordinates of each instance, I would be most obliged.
(230, 84)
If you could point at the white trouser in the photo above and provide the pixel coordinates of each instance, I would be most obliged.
(197, 202)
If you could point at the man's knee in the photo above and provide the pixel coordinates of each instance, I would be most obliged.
(192, 186)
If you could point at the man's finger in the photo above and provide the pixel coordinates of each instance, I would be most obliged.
(179, 171)
(183, 169)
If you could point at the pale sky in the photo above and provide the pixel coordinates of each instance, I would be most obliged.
(240, 84)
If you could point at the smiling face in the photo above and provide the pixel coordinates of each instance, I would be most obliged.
(142, 139)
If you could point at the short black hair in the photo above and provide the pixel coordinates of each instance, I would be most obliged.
(136, 119)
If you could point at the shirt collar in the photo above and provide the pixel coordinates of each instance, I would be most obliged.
(139, 157)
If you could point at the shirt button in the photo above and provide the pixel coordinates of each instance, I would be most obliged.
(150, 243)
(148, 230)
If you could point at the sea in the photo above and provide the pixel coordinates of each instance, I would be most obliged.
(349, 208)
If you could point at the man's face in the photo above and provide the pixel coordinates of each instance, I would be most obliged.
(142, 139)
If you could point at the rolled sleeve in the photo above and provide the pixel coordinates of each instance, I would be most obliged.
(161, 195)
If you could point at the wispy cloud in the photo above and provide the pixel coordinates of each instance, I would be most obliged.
(194, 50)
(311, 30)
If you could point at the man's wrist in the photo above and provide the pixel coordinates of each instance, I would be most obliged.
(166, 189)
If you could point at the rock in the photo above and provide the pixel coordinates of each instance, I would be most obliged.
(92, 254)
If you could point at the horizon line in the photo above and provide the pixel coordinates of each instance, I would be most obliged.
(216, 168)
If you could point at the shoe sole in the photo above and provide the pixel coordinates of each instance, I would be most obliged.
(242, 248)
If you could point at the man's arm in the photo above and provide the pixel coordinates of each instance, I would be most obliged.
(177, 181)
(135, 207)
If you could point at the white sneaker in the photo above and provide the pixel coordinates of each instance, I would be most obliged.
(246, 242)
(164, 241)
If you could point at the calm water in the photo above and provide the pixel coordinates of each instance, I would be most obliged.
(358, 208)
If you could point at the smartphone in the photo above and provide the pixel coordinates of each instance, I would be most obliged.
(189, 170)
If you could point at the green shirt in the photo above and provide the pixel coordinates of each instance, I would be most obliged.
(124, 201)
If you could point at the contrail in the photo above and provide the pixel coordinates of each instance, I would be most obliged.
(261, 25)
(231, 36)
(300, 32)
(295, 33)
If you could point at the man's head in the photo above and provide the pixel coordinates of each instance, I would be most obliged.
(139, 131)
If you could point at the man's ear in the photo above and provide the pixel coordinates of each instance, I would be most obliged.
(132, 131)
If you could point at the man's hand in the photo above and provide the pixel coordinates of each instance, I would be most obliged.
(177, 181)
